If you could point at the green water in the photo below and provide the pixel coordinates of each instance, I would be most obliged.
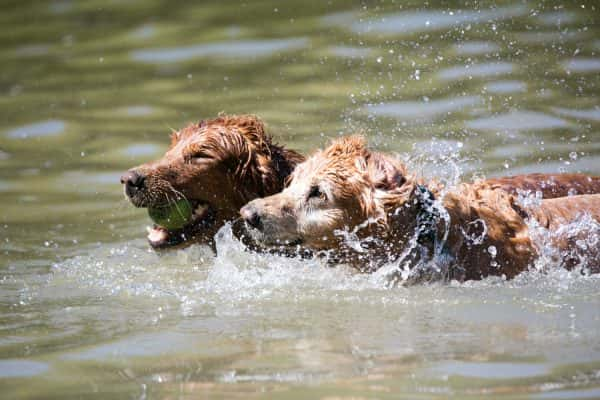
(91, 88)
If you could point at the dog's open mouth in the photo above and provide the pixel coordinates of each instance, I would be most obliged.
(203, 217)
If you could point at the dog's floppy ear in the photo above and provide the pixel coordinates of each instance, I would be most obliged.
(248, 152)
(385, 172)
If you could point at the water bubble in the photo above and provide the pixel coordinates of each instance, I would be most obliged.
(492, 250)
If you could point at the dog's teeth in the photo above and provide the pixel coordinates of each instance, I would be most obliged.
(156, 235)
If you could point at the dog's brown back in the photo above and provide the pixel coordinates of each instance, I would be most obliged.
(550, 185)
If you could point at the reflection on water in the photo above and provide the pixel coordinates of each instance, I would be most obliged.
(474, 48)
(423, 110)
(92, 90)
(421, 21)
(582, 65)
(139, 111)
(142, 150)
(476, 71)
(591, 114)
(492, 370)
(569, 394)
(32, 50)
(21, 368)
(501, 87)
(350, 52)
(558, 18)
(235, 49)
(38, 129)
(518, 121)
(146, 31)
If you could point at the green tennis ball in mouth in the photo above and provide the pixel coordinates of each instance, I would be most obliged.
(173, 216)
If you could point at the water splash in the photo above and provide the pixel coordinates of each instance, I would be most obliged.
(583, 234)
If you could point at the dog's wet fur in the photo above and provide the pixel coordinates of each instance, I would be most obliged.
(218, 165)
(366, 209)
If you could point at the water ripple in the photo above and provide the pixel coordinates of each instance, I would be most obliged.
(423, 110)
(232, 49)
(38, 129)
(476, 71)
(517, 121)
(422, 21)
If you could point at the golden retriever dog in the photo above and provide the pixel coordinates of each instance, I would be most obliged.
(218, 165)
(365, 208)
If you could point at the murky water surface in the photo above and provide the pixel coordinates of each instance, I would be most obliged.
(89, 89)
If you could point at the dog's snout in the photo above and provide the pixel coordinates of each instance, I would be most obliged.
(251, 216)
(133, 180)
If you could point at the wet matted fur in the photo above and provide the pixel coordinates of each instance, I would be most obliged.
(218, 165)
(366, 209)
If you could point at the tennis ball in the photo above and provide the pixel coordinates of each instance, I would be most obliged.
(172, 216)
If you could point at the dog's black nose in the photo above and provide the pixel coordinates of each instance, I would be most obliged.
(251, 216)
(132, 180)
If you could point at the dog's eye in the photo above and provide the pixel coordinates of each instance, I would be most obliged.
(315, 192)
(195, 157)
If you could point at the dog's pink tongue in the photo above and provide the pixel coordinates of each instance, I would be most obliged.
(157, 235)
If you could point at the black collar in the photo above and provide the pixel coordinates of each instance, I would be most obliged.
(428, 216)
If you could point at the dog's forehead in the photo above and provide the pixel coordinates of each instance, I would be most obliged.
(180, 144)
(197, 133)
(333, 176)
(330, 164)
(191, 135)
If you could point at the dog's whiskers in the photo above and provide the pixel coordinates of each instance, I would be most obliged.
(177, 192)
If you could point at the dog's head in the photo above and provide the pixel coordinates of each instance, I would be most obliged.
(336, 190)
(217, 165)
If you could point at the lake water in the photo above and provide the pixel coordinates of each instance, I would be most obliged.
(89, 89)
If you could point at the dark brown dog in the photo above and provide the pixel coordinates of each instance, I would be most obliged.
(366, 209)
(218, 165)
